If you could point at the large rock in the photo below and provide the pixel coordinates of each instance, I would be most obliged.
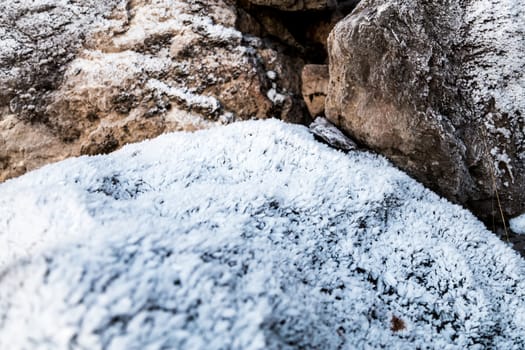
(438, 87)
(86, 79)
(264, 240)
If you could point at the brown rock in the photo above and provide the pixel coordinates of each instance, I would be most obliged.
(103, 75)
(315, 86)
(331, 135)
(24, 146)
(437, 88)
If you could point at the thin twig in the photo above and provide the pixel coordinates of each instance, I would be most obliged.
(494, 187)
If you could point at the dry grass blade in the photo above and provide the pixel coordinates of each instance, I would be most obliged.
(494, 187)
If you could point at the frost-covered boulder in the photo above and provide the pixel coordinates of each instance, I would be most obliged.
(86, 77)
(250, 236)
(438, 87)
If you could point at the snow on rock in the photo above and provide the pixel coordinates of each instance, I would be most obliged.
(497, 39)
(249, 236)
(518, 224)
(38, 38)
(88, 77)
(438, 87)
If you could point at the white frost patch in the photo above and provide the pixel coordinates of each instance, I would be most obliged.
(251, 236)
(169, 16)
(517, 224)
(215, 31)
(149, 20)
(271, 75)
(8, 46)
(501, 158)
(274, 96)
(105, 70)
(187, 121)
(208, 103)
(497, 32)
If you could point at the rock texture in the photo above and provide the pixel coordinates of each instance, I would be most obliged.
(331, 135)
(438, 87)
(315, 87)
(265, 240)
(37, 41)
(86, 79)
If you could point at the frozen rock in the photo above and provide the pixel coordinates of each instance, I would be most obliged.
(249, 236)
(88, 77)
(438, 88)
(315, 87)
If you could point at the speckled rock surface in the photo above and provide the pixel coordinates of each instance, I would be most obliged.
(439, 89)
(87, 79)
(250, 236)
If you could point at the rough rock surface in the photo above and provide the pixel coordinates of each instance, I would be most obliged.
(518, 224)
(88, 78)
(37, 40)
(264, 240)
(439, 88)
(331, 135)
(315, 79)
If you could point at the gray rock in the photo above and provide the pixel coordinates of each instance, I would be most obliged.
(438, 88)
(329, 133)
